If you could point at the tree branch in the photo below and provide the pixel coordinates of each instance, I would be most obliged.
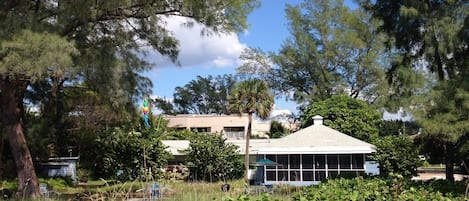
(121, 14)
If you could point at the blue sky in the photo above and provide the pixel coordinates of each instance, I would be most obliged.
(218, 55)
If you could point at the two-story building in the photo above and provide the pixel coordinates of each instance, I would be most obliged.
(232, 126)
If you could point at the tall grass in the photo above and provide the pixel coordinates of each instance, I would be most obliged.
(171, 190)
(202, 191)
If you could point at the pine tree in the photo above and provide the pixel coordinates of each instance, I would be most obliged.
(430, 74)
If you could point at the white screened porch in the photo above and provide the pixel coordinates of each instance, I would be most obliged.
(309, 169)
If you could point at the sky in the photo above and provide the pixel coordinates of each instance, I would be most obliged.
(218, 55)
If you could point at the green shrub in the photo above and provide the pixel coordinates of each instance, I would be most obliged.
(443, 186)
(6, 184)
(211, 159)
(396, 189)
(58, 183)
(396, 155)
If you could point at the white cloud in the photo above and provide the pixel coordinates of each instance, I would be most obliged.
(280, 112)
(215, 50)
(222, 62)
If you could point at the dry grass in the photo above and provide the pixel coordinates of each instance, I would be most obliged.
(201, 191)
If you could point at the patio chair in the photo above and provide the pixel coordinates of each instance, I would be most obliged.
(43, 190)
(154, 191)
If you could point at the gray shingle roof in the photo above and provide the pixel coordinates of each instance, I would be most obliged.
(317, 139)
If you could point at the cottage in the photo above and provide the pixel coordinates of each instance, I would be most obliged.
(305, 157)
(313, 154)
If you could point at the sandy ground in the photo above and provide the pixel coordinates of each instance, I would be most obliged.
(431, 175)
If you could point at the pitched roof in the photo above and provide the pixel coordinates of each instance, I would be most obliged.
(317, 139)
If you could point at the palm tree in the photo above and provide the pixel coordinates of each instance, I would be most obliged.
(251, 97)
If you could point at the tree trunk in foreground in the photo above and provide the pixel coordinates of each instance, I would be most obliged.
(2, 146)
(11, 94)
(246, 154)
(449, 160)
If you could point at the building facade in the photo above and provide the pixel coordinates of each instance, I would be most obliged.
(231, 126)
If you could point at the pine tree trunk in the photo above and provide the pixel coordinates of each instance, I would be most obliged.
(449, 159)
(246, 154)
(2, 146)
(12, 93)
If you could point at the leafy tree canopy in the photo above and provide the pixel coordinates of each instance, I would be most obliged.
(253, 97)
(331, 50)
(32, 56)
(430, 38)
(205, 95)
(348, 115)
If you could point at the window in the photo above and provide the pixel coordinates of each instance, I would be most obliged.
(201, 129)
(272, 158)
(320, 175)
(282, 176)
(357, 161)
(332, 161)
(283, 161)
(332, 174)
(271, 176)
(234, 132)
(307, 160)
(344, 161)
(308, 176)
(295, 175)
(295, 161)
(320, 161)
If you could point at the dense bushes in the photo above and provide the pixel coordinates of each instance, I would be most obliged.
(396, 155)
(211, 159)
(130, 155)
(378, 189)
